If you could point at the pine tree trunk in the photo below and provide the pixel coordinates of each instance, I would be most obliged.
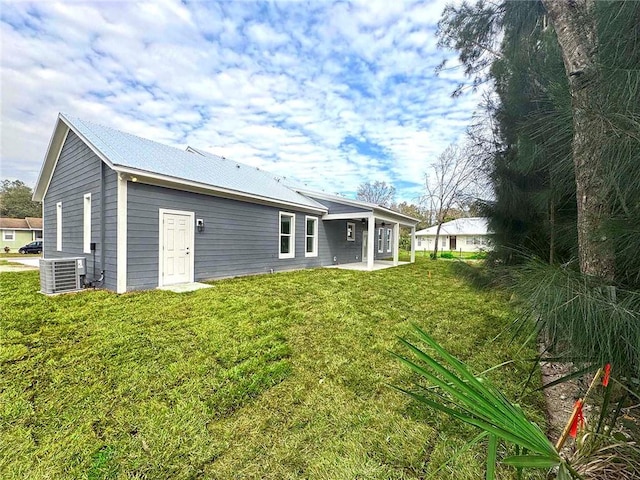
(575, 27)
(552, 229)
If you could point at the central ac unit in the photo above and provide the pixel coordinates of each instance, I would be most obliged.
(59, 275)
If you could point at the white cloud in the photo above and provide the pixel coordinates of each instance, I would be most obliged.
(282, 87)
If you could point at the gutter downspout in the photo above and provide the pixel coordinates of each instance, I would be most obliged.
(103, 208)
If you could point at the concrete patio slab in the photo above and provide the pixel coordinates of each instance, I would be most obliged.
(185, 287)
(362, 266)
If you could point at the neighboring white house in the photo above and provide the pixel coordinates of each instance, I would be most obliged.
(464, 234)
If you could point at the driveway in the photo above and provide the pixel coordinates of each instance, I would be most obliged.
(20, 264)
(29, 262)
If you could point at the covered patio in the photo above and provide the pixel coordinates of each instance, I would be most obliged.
(380, 230)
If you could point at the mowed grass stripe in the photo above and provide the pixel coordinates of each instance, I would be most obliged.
(274, 376)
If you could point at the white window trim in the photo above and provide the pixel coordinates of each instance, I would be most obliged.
(380, 242)
(292, 235)
(313, 253)
(87, 223)
(389, 239)
(59, 226)
(352, 237)
(13, 235)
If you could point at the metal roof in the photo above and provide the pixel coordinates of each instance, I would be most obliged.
(461, 226)
(132, 152)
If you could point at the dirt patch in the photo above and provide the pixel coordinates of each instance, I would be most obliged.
(561, 398)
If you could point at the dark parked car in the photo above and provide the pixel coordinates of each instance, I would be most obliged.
(33, 247)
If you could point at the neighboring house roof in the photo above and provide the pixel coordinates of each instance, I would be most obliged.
(128, 153)
(461, 226)
(21, 223)
(34, 223)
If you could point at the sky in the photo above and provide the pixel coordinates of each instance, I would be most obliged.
(327, 94)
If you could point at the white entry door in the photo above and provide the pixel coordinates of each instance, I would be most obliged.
(176, 247)
(365, 244)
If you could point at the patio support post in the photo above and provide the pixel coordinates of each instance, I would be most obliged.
(413, 244)
(396, 243)
(371, 242)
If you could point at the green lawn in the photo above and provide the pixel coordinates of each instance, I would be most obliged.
(274, 376)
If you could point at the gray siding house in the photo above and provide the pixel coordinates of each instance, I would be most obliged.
(146, 215)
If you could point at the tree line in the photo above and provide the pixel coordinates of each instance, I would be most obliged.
(15, 200)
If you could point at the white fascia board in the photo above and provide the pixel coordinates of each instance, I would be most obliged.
(386, 214)
(400, 220)
(357, 215)
(58, 138)
(191, 186)
(346, 216)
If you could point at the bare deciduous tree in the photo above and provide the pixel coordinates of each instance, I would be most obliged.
(449, 185)
(379, 193)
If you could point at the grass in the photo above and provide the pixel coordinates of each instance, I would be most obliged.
(453, 254)
(275, 376)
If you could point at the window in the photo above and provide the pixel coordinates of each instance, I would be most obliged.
(443, 241)
(87, 223)
(351, 232)
(8, 235)
(287, 235)
(37, 235)
(59, 226)
(380, 230)
(311, 237)
(419, 241)
(388, 239)
(476, 241)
